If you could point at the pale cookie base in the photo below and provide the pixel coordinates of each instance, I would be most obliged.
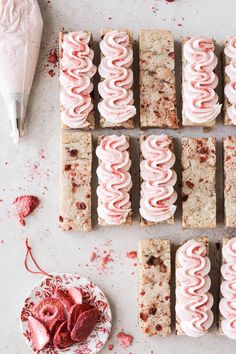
(129, 124)
(154, 287)
(198, 182)
(100, 220)
(226, 104)
(157, 80)
(75, 178)
(229, 148)
(144, 222)
(185, 121)
(91, 116)
(179, 331)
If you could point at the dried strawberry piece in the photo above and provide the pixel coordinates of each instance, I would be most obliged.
(125, 339)
(74, 313)
(38, 333)
(49, 312)
(84, 325)
(24, 205)
(64, 296)
(76, 295)
(62, 338)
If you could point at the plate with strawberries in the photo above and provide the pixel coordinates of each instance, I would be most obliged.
(66, 313)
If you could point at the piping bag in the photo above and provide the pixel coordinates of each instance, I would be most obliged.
(21, 28)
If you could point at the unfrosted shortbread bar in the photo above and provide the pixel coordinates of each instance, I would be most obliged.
(104, 123)
(197, 293)
(229, 148)
(144, 222)
(203, 77)
(157, 80)
(229, 109)
(154, 287)
(75, 76)
(198, 182)
(101, 221)
(75, 176)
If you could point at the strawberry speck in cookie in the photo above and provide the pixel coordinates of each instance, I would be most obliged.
(24, 205)
(125, 339)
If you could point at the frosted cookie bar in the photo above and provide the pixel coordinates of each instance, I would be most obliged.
(227, 318)
(75, 175)
(229, 112)
(76, 80)
(157, 80)
(193, 300)
(116, 107)
(229, 148)
(114, 179)
(157, 180)
(154, 287)
(200, 101)
(198, 182)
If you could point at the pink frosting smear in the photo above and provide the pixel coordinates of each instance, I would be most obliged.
(230, 70)
(116, 88)
(194, 301)
(228, 290)
(76, 72)
(200, 101)
(114, 179)
(157, 193)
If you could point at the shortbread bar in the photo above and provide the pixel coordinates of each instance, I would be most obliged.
(168, 182)
(229, 107)
(200, 101)
(102, 106)
(74, 114)
(229, 147)
(118, 211)
(154, 287)
(157, 80)
(198, 182)
(76, 173)
(181, 287)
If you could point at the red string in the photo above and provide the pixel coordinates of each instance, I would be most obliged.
(29, 253)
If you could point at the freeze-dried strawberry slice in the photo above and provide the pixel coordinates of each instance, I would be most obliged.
(38, 333)
(74, 313)
(76, 295)
(64, 296)
(49, 312)
(24, 205)
(125, 339)
(84, 325)
(62, 338)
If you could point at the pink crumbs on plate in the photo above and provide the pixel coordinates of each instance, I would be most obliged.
(92, 256)
(24, 205)
(105, 260)
(132, 254)
(125, 339)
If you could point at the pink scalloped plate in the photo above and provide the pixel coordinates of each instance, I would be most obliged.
(92, 295)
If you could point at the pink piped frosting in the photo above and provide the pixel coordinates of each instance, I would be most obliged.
(230, 70)
(194, 301)
(200, 101)
(114, 179)
(228, 290)
(76, 72)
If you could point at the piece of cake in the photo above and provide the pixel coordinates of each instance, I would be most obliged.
(157, 196)
(229, 113)
(229, 148)
(157, 80)
(75, 175)
(198, 182)
(200, 101)
(154, 287)
(114, 179)
(116, 107)
(76, 80)
(193, 300)
(227, 320)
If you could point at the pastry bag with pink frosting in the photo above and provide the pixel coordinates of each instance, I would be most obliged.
(21, 27)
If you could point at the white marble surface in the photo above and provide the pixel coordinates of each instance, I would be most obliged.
(23, 170)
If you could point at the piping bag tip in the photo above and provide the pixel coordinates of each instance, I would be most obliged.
(16, 116)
